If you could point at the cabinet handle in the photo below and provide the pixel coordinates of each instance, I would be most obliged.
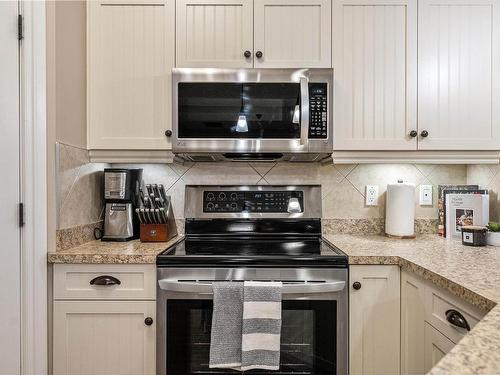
(356, 285)
(148, 321)
(424, 133)
(259, 54)
(105, 280)
(247, 54)
(168, 133)
(413, 133)
(457, 319)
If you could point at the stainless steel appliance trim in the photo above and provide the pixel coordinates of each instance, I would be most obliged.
(341, 297)
(305, 287)
(218, 146)
(194, 202)
(304, 110)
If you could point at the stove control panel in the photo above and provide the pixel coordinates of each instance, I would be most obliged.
(253, 201)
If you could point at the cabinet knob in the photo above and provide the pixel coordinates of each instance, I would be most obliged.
(105, 280)
(424, 133)
(413, 133)
(457, 319)
(259, 54)
(148, 321)
(168, 133)
(356, 285)
(247, 54)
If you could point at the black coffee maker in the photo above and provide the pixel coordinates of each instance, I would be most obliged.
(122, 197)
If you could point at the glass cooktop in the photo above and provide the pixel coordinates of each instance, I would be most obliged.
(243, 251)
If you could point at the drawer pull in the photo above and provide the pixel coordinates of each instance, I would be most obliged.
(457, 319)
(105, 280)
(148, 321)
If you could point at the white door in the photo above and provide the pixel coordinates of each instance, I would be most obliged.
(292, 33)
(459, 74)
(104, 337)
(374, 61)
(437, 346)
(374, 320)
(10, 285)
(412, 324)
(130, 55)
(214, 33)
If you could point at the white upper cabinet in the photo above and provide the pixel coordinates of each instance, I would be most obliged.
(130, 55)
(374, 60)
(292, 33)
(254, 34)
(459, 74)
(215, 33)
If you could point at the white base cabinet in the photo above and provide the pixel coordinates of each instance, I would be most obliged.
(374, 320)
(104, 329)
(436, 346)
(104, 337)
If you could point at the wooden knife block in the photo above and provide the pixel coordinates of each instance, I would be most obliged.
(157, 232)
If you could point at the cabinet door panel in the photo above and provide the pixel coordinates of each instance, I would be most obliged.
(95, 338)
(459, 74)
(374, 61)
(293, 33)
(437, 346)
(130, 56)
(412, 324)
(214, 33)
(375, 320)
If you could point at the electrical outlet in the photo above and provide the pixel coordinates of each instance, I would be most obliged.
(372, 195)
(426, 195)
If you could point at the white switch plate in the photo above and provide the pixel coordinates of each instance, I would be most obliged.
(426, 195)
(372, 195)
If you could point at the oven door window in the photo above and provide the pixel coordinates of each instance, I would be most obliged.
(308, 344)
(239, 110)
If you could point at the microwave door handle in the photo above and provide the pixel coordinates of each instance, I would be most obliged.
(304, 110)
(299, 288)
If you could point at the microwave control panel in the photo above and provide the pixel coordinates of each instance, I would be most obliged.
(318, 115)
(250, 201)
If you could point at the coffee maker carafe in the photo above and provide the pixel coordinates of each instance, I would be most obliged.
(121, 196)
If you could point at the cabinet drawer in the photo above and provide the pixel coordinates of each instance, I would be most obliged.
(438, 302)
(133, 281)
(436, 346)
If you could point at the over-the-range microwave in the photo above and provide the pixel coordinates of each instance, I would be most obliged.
(252, 114)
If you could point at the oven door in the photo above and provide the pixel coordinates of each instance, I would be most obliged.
(314, 320)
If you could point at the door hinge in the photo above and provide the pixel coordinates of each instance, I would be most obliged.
(20, 35)
(21, 214)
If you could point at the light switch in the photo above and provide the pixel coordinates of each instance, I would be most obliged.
(426, 195)
(372, 195)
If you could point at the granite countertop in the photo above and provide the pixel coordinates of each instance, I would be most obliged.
(473, 273)
(133, 252)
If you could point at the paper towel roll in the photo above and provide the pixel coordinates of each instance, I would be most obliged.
(400, 210)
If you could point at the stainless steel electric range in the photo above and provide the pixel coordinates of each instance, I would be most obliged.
(260, 233)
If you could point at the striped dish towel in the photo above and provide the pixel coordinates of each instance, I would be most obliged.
(261, 332)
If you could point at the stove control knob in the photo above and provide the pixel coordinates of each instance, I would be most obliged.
(222, 196)
(210, 206)
(356, 285)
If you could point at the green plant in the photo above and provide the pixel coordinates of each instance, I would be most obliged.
(493, 226)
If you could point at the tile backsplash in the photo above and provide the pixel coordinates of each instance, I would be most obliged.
(343, 186)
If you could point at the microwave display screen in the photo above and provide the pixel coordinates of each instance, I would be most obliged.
(238, 110)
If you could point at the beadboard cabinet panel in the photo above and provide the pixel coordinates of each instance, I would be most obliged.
(130, 55)
(104, 337)
(292, 33)
(459, 74)
(214, 33)
(374, 59)
(374, 320)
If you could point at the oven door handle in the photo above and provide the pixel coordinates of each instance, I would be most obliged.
(299, 288)
(304, 110)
